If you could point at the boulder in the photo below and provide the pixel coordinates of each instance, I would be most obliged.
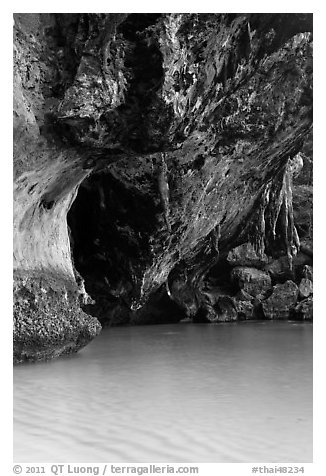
(48, 320)
(304, 310)
(226, 309)
(307, 272)
(247, 306)
(212, 294)
(279, 269)
(305, 288)
(242, 295)
(306, 246)
(229, 308)
(246, 255)
(282, 301)
(245, 310)
(251, 280)
(204, 315)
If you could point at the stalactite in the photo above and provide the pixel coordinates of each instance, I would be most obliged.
(216, 235)
(258, 234)
(273, 229)
(291, 239)
(163, 186)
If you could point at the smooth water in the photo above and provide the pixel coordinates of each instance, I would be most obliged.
(230, 393)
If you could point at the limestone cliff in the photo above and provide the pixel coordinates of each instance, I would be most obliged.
(146, 146)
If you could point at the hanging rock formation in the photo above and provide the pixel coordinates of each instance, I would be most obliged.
(146, 147)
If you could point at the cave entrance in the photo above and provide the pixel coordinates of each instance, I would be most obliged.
(110, 225)
(97, 250)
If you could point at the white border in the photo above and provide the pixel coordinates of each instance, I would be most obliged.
(319, 466)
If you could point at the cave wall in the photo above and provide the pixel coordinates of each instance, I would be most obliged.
(179, 128)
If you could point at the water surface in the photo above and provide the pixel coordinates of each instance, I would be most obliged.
(218, 393)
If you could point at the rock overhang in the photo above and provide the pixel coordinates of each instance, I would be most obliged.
(199, 150)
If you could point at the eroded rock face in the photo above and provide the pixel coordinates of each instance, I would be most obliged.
(307, 272)
(246, 255)
(305, 288)
(226, 310)
(282, 302)
(253, 281)
(48, 320)
(283, 269)
(167, 139)
(304, 310)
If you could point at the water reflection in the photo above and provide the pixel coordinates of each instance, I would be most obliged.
(172, 393)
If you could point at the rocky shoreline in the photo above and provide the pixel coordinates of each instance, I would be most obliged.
(48, 320)
(263, 288)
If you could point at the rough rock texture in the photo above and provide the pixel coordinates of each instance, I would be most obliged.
(303, 212)
(304, 310)
(48, 320)
(246, 255)
(245, 310)
(147, 146)
(303, 196)
(282, 302)
(307, 272)
(253, 281)
(282, 269)
(226, 310)
(305, 288)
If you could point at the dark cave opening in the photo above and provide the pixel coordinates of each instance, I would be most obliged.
(104, 222)
(109, 229)
(219, 277)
